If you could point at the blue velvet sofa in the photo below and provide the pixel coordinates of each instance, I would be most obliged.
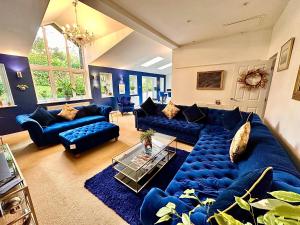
(124, 104)
(209, 171)
(44, 136)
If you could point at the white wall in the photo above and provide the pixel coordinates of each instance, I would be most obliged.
(218, 54)
(283, 113)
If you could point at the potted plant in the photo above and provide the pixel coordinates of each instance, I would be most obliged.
(66, 88)
(146, 139)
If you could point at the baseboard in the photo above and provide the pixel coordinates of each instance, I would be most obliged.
(289, 148)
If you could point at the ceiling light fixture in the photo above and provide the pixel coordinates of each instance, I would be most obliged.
(75, 33)
(152, 61)
(165, 66)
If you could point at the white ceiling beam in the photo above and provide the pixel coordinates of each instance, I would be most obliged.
(118, 13)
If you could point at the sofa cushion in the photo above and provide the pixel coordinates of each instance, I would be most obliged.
(57, 128)
(232, 118)
(92, 109)
(173, 124)
(254, 184)
(68, 112)
(42, 116)
(193, 114)
(149, 107)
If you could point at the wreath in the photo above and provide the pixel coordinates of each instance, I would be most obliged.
(254, 79)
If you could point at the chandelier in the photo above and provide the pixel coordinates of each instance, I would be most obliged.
(75, 33)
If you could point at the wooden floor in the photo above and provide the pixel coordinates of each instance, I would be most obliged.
(56, 178)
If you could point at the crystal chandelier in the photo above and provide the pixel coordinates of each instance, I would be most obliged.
(75, 33)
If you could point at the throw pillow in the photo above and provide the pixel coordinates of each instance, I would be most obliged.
(42, 116)
(170, 110)
(239, 142)
(149, 107)
(92, 109)
(82, 112)
(254, 184)
(193, 114)
(68, 112)
(232, 118)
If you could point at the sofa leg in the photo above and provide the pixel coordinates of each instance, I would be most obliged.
(77, 155)
(116, 139)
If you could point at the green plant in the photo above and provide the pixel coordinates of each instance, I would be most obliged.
(146, 135)
(65, 87)
(1, 89)
(169, 211)
(283, 209)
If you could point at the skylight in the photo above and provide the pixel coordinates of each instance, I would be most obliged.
(152, 61)
(165, 66)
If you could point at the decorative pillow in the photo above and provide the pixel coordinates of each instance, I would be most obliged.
(149, 107)
(232, 118)
(92, 109)
(42, 116)
(68, 112)
(239, 142)
(193, 114)
(170, 110)
(82, 113)
(254, 184)
(246, 117)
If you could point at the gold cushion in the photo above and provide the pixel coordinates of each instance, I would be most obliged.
(68, 112)
(170, 110)
(239, 142)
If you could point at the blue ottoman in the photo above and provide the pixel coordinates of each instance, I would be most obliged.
(82, 138)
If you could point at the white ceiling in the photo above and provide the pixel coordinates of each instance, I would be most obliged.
(197, 20)
(135, 50)
(62, 12)
(19, 23)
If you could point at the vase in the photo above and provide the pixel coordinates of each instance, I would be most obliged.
(148, 145)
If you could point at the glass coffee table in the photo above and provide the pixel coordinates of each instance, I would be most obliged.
(136, 168)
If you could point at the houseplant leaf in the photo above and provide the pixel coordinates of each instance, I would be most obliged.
(268, 204)
(163, 211)
(287, 211)
(186, 219)
(163, 219)
(226, 219)
(242, 203)
(286, 196)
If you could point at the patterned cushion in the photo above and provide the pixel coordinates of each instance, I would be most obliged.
(239, 142)
(170, 110)
(68, 112)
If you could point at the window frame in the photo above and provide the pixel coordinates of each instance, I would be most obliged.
(4, 78)
(71, 71)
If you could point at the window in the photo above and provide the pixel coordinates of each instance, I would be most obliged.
(57, 67)
(106, 85)
(133, 84)
(6, 98)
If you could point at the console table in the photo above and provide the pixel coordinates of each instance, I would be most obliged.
(16, 205)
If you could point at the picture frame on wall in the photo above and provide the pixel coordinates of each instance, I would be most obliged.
(285, 55)
(296, 93)
(210, 80)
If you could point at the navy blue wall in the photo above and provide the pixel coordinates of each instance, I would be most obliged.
(116, 75)
(26, 101)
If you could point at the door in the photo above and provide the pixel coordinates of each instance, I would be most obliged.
(149, 85)
(251, 100)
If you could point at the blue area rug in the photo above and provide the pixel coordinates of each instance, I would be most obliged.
(124, 201)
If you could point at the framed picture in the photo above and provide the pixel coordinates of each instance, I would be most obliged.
(210, 80)
(285, 55)
(296, 94)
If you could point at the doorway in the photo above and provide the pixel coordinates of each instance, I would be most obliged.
(149, 87)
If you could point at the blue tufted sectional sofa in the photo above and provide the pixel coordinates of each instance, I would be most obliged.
(44, 136)
(208, 168)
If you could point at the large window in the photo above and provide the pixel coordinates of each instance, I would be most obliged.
(6, 98)
(133, 84)
(57, 67)
(106, 85)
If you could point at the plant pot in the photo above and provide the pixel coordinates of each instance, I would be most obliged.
(148, 145)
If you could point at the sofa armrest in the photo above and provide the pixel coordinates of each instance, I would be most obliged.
(138, 113)
(105, 110)
(34, 128)
(156, 199)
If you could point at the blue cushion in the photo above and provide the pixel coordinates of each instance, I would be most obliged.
(91, 109)
(193, 114)
(257, 182)
(232, 118)
(149, 107)
(42, 116)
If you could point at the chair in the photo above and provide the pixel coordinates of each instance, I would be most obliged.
(124, 104)
(163, 96)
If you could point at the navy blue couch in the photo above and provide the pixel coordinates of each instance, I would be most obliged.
(44, 136)
(208, 168)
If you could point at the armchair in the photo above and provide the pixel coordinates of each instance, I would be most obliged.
(124, 104)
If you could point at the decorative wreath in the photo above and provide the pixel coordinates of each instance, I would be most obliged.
(254, 79)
